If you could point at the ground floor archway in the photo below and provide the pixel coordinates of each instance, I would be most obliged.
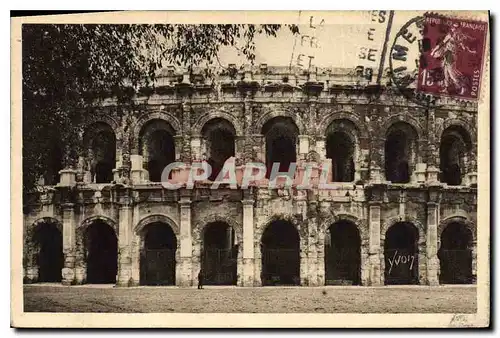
(280, 249)
(455, 255)
(101, 246)
(342, 254)
(219, 255)
(401, 254)
(50, 259)
(158, 252)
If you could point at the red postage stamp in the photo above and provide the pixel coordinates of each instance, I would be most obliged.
(452, 54)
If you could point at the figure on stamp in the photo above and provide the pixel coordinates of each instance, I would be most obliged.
(446, 52)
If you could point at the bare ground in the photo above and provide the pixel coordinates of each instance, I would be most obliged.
(400, 299)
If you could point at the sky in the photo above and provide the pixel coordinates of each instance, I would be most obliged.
(340, 38)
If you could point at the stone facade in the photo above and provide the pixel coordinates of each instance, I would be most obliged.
(247, 101)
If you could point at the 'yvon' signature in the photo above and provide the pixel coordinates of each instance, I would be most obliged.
(401, 259)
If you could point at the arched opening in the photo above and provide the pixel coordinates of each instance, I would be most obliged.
(220, 254)
(340, 149)
(280, 249)
(101, 251)
(50, 259)
(157, 147)
(158, 255)
(219, 144)
(342, 254)
(455, 255)
(401, 254)
(100, 142)
(400, 152)
(454, 149)
(281, 140)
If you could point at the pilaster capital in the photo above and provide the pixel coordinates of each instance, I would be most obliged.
(68, 206)
(185, 203)
(248, 202)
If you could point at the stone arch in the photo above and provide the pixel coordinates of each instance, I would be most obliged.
(281, 143)
(401, 151)
(205, 118)
(145, 118)
(343, 148)
(91, 129)
(397, 219)
(157, 145)
(105, 219)
(198, 229)
(154, 269)
(406, 118)
(274, 248)
(456, 154)
(83, 264)
(462, 219)
(470, 130)
(295, 220)
(158, 115)
(156, 218)
(359, 223)
(218, 142)
(361, 127)
(421, 265)
(197, 241)
(102, 118)
(43, 220)
(32, 248)
(101, 150)
(263, 119)
(363, 233)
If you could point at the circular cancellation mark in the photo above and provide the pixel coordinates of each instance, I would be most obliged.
(404, 62)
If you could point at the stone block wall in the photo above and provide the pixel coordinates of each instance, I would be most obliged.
(370, 202)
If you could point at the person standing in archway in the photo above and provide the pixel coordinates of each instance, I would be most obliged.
(200, 279)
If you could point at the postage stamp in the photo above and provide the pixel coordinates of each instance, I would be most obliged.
(452, 56)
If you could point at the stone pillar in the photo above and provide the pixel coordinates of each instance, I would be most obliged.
(259, 148)
(30, 250)
(196, 149)
(321, 146)
(178, 144)
(67, 177)
(239, 146)
(137, 173)
(432, 174)
(432, 243)
(377, 155)
(376, 255)
(135, 254)
(301, 205)
(312, 252)
(363, 161)
(184, 274)
(422, 262)
(124, 246)
(365, 261)
(69, 241)
(248, 243)
(303, 146)
(420, 171)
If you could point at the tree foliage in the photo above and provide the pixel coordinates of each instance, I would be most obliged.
(66, 67)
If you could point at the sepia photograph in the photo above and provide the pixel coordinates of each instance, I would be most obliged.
(251, 169)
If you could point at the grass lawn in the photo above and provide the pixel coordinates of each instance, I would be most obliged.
(401, 299)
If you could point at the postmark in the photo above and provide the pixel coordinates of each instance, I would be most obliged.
(452, 56)
(404, 62)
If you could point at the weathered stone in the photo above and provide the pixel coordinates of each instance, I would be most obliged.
(368, 200)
